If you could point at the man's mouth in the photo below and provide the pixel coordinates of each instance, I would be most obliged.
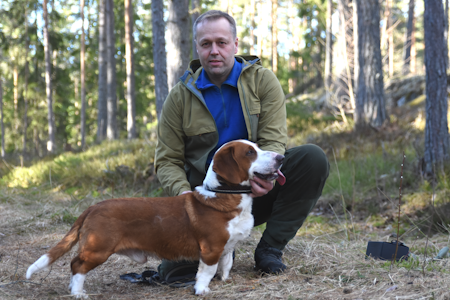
(281, 179)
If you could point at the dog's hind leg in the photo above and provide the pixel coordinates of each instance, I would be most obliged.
(204, 275)
(80, 268)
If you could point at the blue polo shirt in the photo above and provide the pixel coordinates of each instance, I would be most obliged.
(225, 106)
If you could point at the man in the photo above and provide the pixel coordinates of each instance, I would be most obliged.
(223, 97)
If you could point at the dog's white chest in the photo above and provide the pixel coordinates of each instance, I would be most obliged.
(240, 226)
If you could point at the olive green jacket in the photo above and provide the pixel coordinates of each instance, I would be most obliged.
(187, 131)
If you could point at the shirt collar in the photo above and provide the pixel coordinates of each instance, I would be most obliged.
(203, 81)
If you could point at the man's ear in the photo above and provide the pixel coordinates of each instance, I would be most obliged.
(226, 166)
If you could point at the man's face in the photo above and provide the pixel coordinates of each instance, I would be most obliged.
(216, 48)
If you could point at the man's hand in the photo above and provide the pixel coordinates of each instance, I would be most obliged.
(260, 187)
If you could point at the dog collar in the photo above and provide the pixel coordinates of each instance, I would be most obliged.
(229, 190)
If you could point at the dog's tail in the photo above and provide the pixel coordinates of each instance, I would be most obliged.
(61, 248)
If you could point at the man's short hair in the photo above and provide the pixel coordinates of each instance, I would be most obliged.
(214, 15)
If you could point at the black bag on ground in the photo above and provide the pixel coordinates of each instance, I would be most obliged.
(386, 251)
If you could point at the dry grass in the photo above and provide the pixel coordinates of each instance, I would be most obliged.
(323, 264)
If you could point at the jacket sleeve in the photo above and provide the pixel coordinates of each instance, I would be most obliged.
(169, 153)
(272, 128)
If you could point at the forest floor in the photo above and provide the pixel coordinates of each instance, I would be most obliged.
(326, 260)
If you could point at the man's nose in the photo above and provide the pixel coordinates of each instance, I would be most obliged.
(214, 48)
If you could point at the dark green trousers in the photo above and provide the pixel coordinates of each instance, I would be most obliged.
(286, 207)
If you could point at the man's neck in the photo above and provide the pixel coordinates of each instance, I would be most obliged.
(219, 81)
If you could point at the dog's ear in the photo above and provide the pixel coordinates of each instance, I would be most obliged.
(226, 166)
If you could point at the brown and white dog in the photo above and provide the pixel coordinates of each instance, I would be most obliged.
(204, 225)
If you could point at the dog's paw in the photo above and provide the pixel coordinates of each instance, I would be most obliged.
(224, 277)
(82, 295)
(201, 290)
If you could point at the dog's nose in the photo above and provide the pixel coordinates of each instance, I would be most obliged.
(279, 158)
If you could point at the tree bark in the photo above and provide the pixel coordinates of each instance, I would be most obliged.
(25, 90)
(345, 76)
(111, 100)
(370, 106)
(102, 64)
(390, 38)
(413, 60)
(51, 147)
(195, 8)
(129, 43)
(178, 45)
(329, 51)
(252, 27)
(436, 126)
(1, 118)
(274, 36)
(16, 93)
(408, 40)
(446, 33)
(82, 79)
(159, 54)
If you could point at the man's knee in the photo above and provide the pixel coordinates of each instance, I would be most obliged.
(310, 159)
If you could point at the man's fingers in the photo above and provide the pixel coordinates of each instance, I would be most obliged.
(260, 187)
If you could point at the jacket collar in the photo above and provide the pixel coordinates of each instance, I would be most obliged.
(203, 82)
(195, 68)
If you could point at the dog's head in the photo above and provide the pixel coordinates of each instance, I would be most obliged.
(238, 161)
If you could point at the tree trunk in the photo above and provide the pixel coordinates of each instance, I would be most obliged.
(111, 100)
(51, 147)
(252, 27)
(274, 36)
(345, 76)
(82, 79)
(195, 8)
(259, 38)
(436, 126)
(25, 90)
(159, 54)
(129, 42)
(446, 33)
(407, 45)
(329, 51)
(178, 44)
(16, 93)
(413, 60)
(1, 118)
(370, 106)
(102, 64)
(390, 38)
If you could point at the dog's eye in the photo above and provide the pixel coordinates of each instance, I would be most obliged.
(251, 152)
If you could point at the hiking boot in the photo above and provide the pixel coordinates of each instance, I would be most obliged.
(177, 273)
(268, 259)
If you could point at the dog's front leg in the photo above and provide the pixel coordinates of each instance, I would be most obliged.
(76, 285)
(204, 275)
(225, 264)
